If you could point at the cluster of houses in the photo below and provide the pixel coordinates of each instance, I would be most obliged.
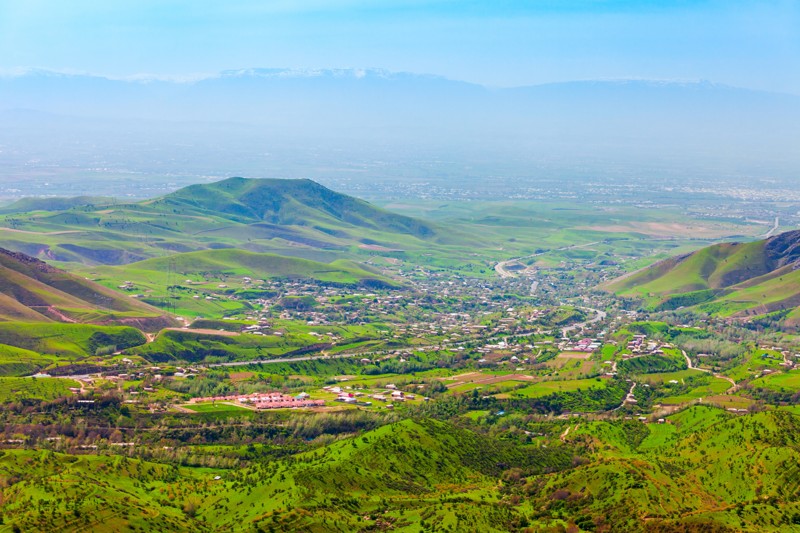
(266, 400)
(639, 345)
(787, 355)
(257, 329)
(583, 345)
(361, 398)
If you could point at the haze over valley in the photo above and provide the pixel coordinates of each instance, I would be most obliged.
(376, 133)
(537, 271)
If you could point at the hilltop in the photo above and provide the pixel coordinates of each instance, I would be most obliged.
(289, 202)
(287, 217)
(729, 278)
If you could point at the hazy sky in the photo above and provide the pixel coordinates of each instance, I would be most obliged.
(750, 43)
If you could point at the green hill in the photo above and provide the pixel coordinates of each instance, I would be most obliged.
(33, 291)
(702, 470)
(728, 279)
(298, 218)
(25, 205)
(403, 475)
(233, 262)
(290, 202)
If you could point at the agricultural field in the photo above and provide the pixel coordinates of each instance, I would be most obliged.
(715, 387)
(547, 388)
(782, 381)
(478, 369)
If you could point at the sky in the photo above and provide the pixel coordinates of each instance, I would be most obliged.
(501, 43)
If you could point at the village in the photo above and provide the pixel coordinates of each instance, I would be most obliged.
(264, 400)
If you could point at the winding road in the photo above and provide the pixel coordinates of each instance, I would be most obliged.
(772, 231)
(691, 366)
(500, 267)
(599, 315)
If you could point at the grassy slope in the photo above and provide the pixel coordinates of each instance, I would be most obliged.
(772, 294)
(70, 341)
(20, 362)
(31, 290)
(704, 469)
(290, 202)
(240, 262)
(291, 217)
(25, 205)
(713, 267)
(206, 270)
(406, 473)
(727, 279)
(12, 388)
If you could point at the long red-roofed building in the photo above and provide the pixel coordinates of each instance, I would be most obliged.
(265, 400)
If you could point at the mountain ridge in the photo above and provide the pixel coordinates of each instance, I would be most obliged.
(372, 110)
(730, 279)
(366, 73)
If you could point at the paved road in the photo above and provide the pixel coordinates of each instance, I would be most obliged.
(689, 364)
(599, 315)
(772, 231)
(500, 267)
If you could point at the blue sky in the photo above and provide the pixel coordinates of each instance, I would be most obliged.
(749, 43)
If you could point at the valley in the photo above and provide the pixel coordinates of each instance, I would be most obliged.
(272, 355)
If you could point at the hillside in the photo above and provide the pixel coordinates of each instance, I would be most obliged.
(287, 217)
(425, 475)
(399, 476)
(729, 278)
(291, 202)
(233, 262)
(25, 205)
(33, 291)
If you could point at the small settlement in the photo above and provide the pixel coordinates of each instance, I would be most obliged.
(265, 400)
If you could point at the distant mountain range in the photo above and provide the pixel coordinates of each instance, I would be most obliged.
(377, 107)
(728, 279)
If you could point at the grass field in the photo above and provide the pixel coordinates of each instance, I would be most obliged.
(20, 362)
(487, 388)
(571, 368)
(779, 381)
(546, 388)
(717, 386)
(70, 341)
(664, 377)
(220, 407)
(13, 389)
